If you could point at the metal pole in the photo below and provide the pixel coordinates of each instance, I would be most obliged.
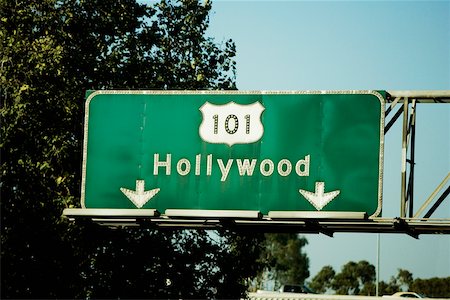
(377, 288)
(412, 158)
(404, 151)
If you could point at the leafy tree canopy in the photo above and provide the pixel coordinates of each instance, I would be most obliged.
(359, 278)
(354, 279)
(52, 51)
(321, 283)
(432, 287)
(284, 260)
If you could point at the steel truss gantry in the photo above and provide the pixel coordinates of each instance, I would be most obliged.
(409, 100)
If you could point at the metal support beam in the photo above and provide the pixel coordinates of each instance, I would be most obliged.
(391, 106)
(433, 194)
(412, 139)
(437, 203)
(404, 152)
(213, 214)
(392, 121)
(336, 215)
(424, 96)
(110, 213)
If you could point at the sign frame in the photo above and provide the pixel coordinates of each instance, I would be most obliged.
(285, 214)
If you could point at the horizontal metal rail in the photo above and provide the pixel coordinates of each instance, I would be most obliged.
(302, 222)
(421, 96)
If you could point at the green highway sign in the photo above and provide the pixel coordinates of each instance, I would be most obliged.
(229, 150)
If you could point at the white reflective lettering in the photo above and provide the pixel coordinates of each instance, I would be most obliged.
(224, 169)
(187, 167)
(246, 167)
(209, 165)
(262, 167)
(287, 163)
(302, 163)
(165, 164)
(197, 164)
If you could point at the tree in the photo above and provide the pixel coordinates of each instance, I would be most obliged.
(321, 283)
(285, 261)
(359, 278)
(52, 52)
(404, 281)
(355, 279)
(401, 282)
(433, 287)
(388, 288)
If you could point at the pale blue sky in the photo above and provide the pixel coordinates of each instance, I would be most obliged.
(390, 45)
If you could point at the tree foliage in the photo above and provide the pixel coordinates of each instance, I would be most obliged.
(284, 260)
(401, 282)
(359, 279)
(52, 51)
(355, 279)
(321, 283)
(404, 281)
(432, 287)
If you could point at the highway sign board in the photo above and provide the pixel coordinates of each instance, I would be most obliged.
(256, 151)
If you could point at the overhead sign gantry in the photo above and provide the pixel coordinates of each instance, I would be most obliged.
(256, 158)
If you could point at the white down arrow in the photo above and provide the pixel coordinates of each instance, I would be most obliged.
(319, 198)
(139, 197)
